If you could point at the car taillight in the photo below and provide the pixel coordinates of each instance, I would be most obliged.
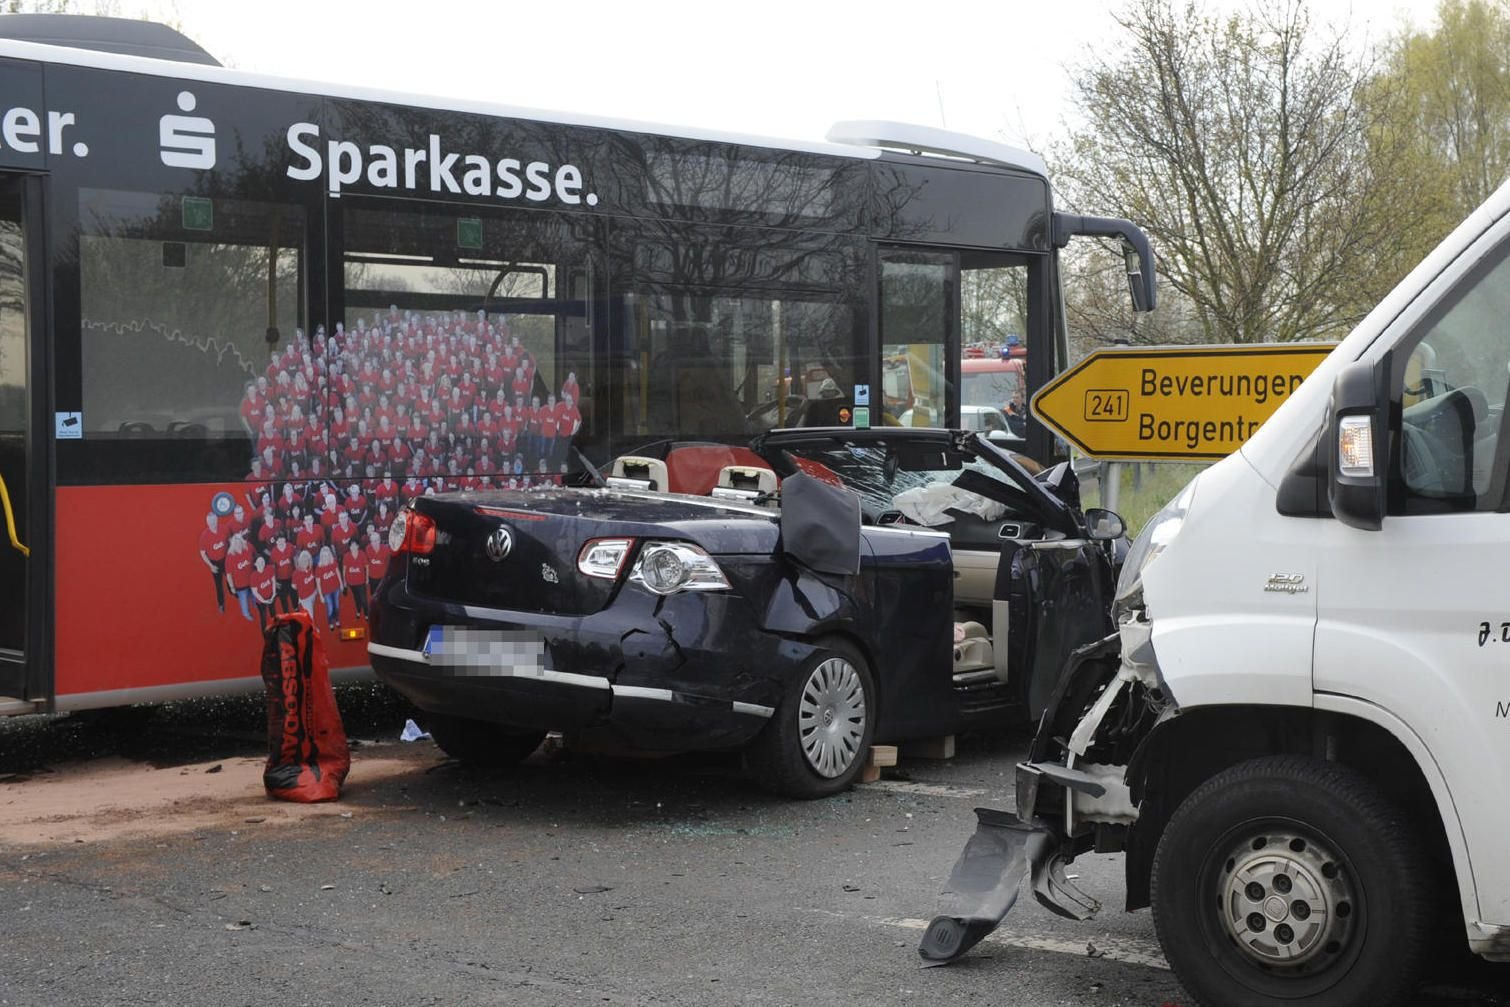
(412, 532)
(604, 557)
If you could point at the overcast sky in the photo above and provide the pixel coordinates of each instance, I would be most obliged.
(782, 68)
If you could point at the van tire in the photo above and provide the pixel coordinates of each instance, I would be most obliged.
(1299, 830)
(481, 743)
(835, 676)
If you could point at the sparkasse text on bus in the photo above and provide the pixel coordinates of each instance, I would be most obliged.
(432, 169)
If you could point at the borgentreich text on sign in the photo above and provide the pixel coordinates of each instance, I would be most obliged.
(1176, 402)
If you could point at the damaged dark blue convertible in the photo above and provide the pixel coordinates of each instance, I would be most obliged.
(796, 600)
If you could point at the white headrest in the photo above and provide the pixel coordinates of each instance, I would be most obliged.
(747, 477)
(651, 470)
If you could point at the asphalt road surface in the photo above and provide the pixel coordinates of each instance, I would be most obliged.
(155, 872)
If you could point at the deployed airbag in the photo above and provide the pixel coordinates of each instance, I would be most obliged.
(926, 505)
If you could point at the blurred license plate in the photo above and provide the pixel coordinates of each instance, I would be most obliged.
(466, 650)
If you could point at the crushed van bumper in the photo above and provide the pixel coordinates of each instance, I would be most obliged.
(1064, 796)
(985, 883)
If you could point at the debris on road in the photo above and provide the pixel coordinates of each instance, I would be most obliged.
(307, 754)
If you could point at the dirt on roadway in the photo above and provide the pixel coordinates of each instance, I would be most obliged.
(115, 798)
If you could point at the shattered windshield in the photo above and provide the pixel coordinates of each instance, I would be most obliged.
(925, 486)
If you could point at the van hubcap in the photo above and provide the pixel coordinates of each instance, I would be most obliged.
(1286, 900)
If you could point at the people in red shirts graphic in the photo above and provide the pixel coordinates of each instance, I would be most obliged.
(306, 586)
(377, 552)
(214, 543)
(426, 402)
(354, 573)
(328, 576)
(264, 588)
(238, 571)
(281, 559)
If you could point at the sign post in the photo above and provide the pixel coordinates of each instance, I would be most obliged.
(1174, 402)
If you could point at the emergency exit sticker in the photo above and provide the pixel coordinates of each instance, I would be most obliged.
(198, 214)
(862, 416)
(69, 427)
(469, 233)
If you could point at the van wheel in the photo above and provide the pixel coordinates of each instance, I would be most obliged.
(1291, 881)
(817, 741)
(481, 743)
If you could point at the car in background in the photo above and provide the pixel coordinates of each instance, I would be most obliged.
(798, 599)
(986, 419)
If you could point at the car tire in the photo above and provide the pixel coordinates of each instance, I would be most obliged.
(817, 741)
(481, 743)
(1292, 881)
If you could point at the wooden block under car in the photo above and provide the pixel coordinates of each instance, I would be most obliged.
(881, 756)
(930, 748)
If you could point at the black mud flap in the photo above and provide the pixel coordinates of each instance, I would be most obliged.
(985, 883)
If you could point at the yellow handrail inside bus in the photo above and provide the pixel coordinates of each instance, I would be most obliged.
(10, 519)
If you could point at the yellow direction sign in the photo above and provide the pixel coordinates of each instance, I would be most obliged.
(1173, 402)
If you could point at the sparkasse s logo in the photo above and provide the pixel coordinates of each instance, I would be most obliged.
(187, 141)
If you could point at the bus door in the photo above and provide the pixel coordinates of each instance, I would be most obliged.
(920, 337)
(935, 304)
(18, 448)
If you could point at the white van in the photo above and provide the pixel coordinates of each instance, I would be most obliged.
(1300, 737)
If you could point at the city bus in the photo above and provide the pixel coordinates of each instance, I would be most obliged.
(242, 319)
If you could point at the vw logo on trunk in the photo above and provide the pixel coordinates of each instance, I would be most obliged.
(500, 544)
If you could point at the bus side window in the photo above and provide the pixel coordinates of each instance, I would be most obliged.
(460, 370)
(176, 325)
(729, 331)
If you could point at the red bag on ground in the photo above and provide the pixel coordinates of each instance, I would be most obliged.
(307, 754)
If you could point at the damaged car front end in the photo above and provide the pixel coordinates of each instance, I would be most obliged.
(1079, 790)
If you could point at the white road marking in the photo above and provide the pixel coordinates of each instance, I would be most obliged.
(1123, 949)
(1129, 951)
(923, 789)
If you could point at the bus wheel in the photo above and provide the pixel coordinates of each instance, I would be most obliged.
(1292, 881)
(819, 738)
(481, 743)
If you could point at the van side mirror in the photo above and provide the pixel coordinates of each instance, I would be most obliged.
(1102, 525)
(1356, 444)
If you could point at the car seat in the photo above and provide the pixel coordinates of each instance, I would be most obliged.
(972, 648)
